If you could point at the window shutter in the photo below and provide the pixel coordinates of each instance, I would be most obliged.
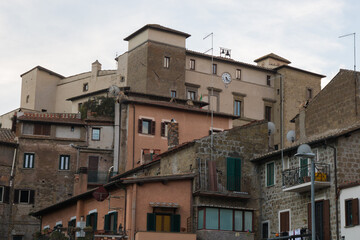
(163, 129)
(140, 126)
(32, 196)
(16, 196)
(115, 222)
(152, 127)
(309, 216)
(37, 129)
(355, 211)
(87, 220)
(6, 194)
(150, 225)
(230, 174)
(326, 221)
(212, 175)
(107, 222)
(95, 221)
(237, 175)
(175, 223)
(46, 129)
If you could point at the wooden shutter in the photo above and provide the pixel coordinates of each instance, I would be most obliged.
(309, 216)
(115, 221)
(46, 129)
(284, 222)
(212, 175)
(150, 224)
(87, 220)
(140, 126)
(16, 196)
(107, 222)
(95, 220)
(163, 129)
(237, 174)
(230, 165)
(6, 194)
(152, 128)
(175, 223)
(37, 129)
(355, 211)
(32, 196)
(326, 219)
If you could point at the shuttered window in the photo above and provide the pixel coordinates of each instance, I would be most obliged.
(233, 174)
(91, 220)
(270, 174)
(42, 129)
(110, 222)
(352, 212)
(163, 222)
(146, 126)
(24, 196)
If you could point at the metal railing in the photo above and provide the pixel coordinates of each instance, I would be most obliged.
(295, 176)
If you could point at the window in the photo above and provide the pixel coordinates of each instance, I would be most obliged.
(4, 194)
(27, 98)
(64, 162)
(214, 68)
(164, 129)
(233, 174)
(85, 87)
(304, 169)
(163, 222)
(173, 93)
(238, 74)
(42, 129)
(265, 230)
(270, 174)
(72, 128)
(58, 225)
(225, 219)
(79, 107)
(146, 126)
(268, 80)
(284, 221)
(192, 64)
(268, 113)
(91, 220)
(308, 93)
(110, 223)
(191, 95)
(29, 160)
(352, 212)
(24, 196)
(95, 135)
(72, 222)
(166, 62)
(237, 108)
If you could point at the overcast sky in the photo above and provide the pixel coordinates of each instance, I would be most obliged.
(67, 36)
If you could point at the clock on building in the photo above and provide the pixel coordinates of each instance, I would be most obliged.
(226, 77)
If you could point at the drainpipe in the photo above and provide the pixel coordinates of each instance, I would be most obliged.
(11, 193)
(133, 211)
(116, 137)
(336, 190)
(133, 147)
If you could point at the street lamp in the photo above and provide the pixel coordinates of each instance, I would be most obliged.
(304, 151)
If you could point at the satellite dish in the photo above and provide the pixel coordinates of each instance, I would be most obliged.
(290, 136)
(271, 128)
(114, 90)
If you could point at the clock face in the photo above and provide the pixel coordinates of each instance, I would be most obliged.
(226, 77)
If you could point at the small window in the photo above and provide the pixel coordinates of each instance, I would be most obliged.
(270, 174)
(42, 129)
(351, 212)
(27, 98)
(265, 230)
(238, 74)
(24, 196)
(164, 129)
(237, 108)
(192, 64)
(268, 80)
(267, 113)
(166, 62)
(233, 173)
(85, 87)
(95, 135)
(214, 68)
(309, 93)
(29, 160)
(173, 93)
(191, 95)
(64, 162)
(91, 220)
(4, 194)
(163, 222)
(111, 222)
(79, 107)
(146, 126)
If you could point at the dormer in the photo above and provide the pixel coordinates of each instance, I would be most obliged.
(271, 60)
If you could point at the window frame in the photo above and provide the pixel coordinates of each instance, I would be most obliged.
(66, 165)
(108, 224)
(17, 196)
(267, 183)
(164, 128)
(214, 69)
(191, 95)
(151, 128)
(352, 217)
(238, 74)
(309, 93)
(237, 109)
(172, 93)
(268, 113)
(192, 64)
(85, 87)
(32, 163)
(166, 62)
(268, 80)
(92, 214)
(92, 134)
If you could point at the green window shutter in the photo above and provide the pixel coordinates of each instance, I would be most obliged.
(87, 220)
(237, 174)
(230, 163)
(95, 221)
(270, 174)
(107, 222)
(115, 221)
(151, 222)
(304, 167)
(175, 223)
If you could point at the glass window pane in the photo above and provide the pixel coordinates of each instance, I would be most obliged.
(238, 221)
(201, 219)
(145, 127)
(226, 219)
(96, 134)
(212, 218)
(24, 196)
(248, 221)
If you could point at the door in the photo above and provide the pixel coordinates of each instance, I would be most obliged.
(319, 209)
(322, 219)
(284, 221)
(93, 168)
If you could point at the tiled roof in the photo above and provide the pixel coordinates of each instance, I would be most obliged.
(274, 56)
(45, 70)
(65, 118)
(157, 27)
(7, 136)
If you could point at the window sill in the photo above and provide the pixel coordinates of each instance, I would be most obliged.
(146, 135)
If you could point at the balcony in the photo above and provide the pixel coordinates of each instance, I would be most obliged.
(164, 236)
(299, 179)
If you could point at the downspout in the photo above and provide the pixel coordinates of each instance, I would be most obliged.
(125, 207)
(133, 147)
(133, 211)
(11, 191)
(336, 191)
(116, 137)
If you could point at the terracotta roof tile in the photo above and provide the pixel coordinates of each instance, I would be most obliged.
(7, 136)
(67, 118)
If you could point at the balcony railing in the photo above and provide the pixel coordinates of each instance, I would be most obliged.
(299, 179)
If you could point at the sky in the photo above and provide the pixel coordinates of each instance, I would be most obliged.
(67, 36)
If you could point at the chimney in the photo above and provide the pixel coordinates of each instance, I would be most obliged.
(173, 134)
(95, 68)
(80, 181)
